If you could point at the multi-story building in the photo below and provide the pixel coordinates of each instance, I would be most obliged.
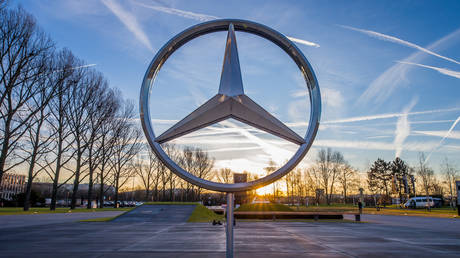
(11, 185)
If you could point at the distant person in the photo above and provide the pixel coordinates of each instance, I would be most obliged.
(360, 207)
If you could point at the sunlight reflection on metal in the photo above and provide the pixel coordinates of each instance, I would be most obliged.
(231, 83)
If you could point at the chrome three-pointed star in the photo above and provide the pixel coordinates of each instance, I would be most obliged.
(230, 102)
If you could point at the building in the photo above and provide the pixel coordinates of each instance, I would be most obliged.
(240, 197)
(11, 185)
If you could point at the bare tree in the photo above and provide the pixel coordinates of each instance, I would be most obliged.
(272, 166)
(347, 173)
(450, 176)
(106, 143)
(59, 126)
(147, 170)
(426, 175)
(187, 162)
(24, 51)
(82, 96)
(224, 175)
(126, 145)
(327, 170)
(39, 142)
(100, 110)
(203, 167)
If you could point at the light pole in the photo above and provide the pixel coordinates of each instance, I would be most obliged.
(132, 194)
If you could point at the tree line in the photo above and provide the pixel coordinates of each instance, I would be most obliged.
(59, 116)
(160, 184)
(330, 175)
(398, 178)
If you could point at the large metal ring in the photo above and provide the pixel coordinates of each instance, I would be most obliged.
(250, 27)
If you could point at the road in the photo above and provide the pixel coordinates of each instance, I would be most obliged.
(385, 236)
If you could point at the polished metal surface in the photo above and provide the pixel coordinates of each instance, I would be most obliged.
(229, 225)
(231, 102)
(231, 83)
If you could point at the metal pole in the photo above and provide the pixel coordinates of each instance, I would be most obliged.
(229, 229)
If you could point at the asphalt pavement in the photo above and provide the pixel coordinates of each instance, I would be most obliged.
(383, 237)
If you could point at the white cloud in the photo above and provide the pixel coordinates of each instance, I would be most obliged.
(130, 21)
(332, 97)
(399, 41)
(329, 97)
(402, 129)
(441, 70)
(297, 110)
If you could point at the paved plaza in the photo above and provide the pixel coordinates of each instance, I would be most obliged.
(382, 236)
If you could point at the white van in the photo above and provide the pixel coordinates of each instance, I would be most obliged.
(420, 202)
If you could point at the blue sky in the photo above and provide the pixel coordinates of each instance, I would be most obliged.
(389, 71)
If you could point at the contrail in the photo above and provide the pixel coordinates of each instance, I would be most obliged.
(130, 21)
(442, 140)
(399, 41)
(304, 42)
(83, 66)
(452, 135)
(76, 67)
(386, 83)
(204, 17)
(402, 129)
(441, 70)
(390, 115)
(181, 13)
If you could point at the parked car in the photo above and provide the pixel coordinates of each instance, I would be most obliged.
(108, 203)
(437, 202)
(419, 202)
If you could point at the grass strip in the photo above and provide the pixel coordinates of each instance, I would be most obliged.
(203, 214)
(98, 219)
(171, 203)
(20, 211)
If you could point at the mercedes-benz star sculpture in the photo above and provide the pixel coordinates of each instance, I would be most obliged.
(231, 102)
